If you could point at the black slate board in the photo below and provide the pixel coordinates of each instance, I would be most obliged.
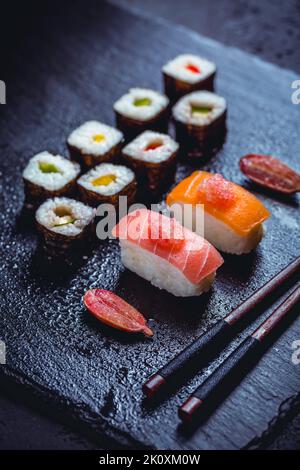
(70, 68)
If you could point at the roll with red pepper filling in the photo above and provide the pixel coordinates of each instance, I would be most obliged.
(187, 73)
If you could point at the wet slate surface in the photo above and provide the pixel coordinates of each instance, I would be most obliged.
(72, 71)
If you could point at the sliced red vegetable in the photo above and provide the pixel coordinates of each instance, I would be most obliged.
(193, 68)
(270, 173)
(110, 309)
(153, 146)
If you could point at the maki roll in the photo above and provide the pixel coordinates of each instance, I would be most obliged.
(48, 175)
(200, 120)
(233, 217)
(187, 73)
(105, 183)
(94, 142)
(64, 224)
(168, 255)
(152, 155)
(141, 109)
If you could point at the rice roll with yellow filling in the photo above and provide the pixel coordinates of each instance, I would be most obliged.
(64, 224)
(94, 142)
(105, 183)
(200, 119)
(152, 155)
(48, 175)
(187, 73)
(141, 109)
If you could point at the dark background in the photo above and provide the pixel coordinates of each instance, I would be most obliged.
(267, 29)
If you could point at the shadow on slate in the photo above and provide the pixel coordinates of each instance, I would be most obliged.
(70, 67)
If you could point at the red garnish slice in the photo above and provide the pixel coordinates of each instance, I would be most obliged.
(167, 235)
(270, 173)
(153, 146)
(110, 309)
(216, 191)
(193, 68)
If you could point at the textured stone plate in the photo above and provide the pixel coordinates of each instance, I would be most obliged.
(69, 68)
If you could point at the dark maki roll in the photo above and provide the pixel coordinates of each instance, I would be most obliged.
(65, 225)
(200, 120)
(48, 175)
(152, 155)
(141, 109)
(106, 183)
(94, 142)
(187, 73)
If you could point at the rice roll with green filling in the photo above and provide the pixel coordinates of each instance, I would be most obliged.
(64, 224)
(200, 120)
(94, 142)
(105, 183)
(152, 156)
(141, 109)
(187, 73)
(48, 175)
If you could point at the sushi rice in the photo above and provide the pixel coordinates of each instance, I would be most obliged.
(164, 147)
(156, 103)
(64, 216)
(123, 177)
(94, 138)
(178, 68)
(206, 100)
(58, 171)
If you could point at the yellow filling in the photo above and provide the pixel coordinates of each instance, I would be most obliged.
(98, 138)
(104, 180)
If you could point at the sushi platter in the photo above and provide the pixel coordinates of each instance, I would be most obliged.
(121, 112)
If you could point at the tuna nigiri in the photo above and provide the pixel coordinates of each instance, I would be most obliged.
(233, 217)
(167, 254)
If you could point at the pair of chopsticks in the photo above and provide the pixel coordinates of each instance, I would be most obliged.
(210, 343)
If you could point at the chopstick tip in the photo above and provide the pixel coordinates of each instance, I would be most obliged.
(189, 408)
(153, 384)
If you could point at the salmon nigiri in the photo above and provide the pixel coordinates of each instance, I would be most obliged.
(167, 254)
(233, 217)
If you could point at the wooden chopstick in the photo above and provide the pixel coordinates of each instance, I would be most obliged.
(236, 363)
(217, 337)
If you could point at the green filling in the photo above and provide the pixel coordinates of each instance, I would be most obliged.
(65, 220)
(142, 102)
(200, 110)
(46, 167)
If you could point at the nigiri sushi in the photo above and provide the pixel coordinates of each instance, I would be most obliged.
(233, 217)
(187, 73)
(165, 253)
